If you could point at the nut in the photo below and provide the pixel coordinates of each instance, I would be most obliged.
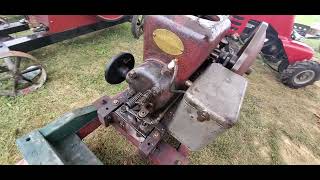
(156, 134)
(116, 102)
(123, 109)
(132, 74)
(203, 116)
(188, 83)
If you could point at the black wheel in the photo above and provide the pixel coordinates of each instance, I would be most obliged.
(137, 23)
(118, 68)
(301, 74)
(283, 65)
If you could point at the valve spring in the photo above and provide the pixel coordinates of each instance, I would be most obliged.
(146, 97)
(133, 100)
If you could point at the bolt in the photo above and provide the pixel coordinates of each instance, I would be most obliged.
(188, 83)
(104, 101)
(203, 116)
(132, 74)
(116, 102)
(156, 134)
(108, 118)
(123, 109)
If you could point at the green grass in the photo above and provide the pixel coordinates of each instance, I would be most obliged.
(276, 125)
(310, 20)
(307, 19)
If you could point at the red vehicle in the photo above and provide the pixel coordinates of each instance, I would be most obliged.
(46, 30)
(294, 60)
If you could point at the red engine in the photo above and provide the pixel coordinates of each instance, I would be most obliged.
(193, 41)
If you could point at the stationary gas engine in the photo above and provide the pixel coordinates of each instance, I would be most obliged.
(188, 90)
(190, 83)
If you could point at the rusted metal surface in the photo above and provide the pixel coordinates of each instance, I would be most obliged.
(151, 146)
(153, 76)
(209, 107)
(150, 143)
(248, 53)
(165, 154)
(11, 69)
(89, 128)
(195, 33)
(108, 105)
(151, 112)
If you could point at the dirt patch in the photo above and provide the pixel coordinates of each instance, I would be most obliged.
(296, 154)
(264, 151)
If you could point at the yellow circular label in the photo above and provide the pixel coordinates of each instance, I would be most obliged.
(168, 41)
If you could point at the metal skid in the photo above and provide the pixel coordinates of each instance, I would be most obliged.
(59, 143)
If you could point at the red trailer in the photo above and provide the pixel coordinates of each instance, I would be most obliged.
(21, 73)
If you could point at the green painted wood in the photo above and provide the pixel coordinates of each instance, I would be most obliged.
(36, 150)
(70, 151)
(75, 152)
(69, 123)
(57, 143)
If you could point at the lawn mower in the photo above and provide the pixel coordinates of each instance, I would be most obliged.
(294, 60)
(21, 73)
(188, 91)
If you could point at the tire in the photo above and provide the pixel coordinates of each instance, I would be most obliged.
(283, 65)
(308, 69)
(137, 26)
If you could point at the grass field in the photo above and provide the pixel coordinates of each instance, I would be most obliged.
(277, 124)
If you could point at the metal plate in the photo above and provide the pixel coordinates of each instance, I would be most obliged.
(209, 107)
(168, 41)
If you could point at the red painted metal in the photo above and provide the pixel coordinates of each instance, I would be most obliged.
(296, 51)
(164, 154)
(283, 24)
(110, 17)
(167, 155)
(60, 23)
(193, 36)
(89, 128)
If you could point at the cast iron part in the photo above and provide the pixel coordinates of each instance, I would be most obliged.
(118, 68)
